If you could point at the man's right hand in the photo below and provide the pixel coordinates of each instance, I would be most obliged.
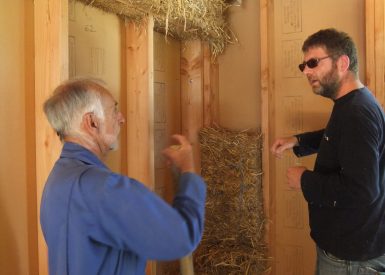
(282, 144)
(180, 155)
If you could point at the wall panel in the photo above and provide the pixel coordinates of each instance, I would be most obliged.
(95, 51)
(14, 167)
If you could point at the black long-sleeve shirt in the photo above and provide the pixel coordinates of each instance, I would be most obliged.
(346, 190)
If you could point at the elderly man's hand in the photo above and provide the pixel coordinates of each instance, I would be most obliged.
(180, 155)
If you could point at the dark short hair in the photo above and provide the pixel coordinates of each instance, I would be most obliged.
(336, 43)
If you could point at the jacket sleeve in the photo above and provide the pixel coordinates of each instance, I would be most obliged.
(128, 216)
(308, 143)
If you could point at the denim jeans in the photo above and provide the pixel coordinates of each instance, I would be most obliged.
(328, 264)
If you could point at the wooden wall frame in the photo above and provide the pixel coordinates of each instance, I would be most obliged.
(375, 48)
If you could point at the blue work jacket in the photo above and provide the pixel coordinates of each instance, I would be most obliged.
(96, 221)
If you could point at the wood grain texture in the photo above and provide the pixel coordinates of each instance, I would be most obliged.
(192, 94)
(51, 68)
(140, 139)
(210, 88)
(266, 119)
(375, 48)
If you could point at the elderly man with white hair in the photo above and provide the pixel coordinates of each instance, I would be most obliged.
(96, 221)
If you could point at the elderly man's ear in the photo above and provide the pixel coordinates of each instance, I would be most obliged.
(90, 123)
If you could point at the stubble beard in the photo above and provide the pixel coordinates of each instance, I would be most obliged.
(114, 146)
(113, 141)
(329, 84)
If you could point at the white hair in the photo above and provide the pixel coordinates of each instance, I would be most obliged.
(70, 101)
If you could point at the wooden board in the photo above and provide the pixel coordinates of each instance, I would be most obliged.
(375, 48)
(138, 51)
(167, 104)
(210, 88)
(192, 94)
(51, 68)
(140, 144)
(266, 116)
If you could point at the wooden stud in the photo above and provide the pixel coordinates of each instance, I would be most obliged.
(375, 48)
(210, 88)
(139, 106)
(268, 191)
(192, 94)
(32, 213)
(123, 98)
(379, 50)
(51, 68)
(370, 53)
(140, 140)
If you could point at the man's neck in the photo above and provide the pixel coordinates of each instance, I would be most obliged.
(87, 143)
(348, 85)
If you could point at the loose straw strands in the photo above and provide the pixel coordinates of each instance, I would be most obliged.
(181, 19)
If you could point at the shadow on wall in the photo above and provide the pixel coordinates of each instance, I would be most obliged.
(9, 256)
(316, 120)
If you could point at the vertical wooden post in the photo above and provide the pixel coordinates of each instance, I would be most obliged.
(370, 37)
(210, 88)
(375, 48)
(265, 127)
(29, 51)
(140, 101)
(123, 97)
(51, 67)
(192, 94)
(139, 105)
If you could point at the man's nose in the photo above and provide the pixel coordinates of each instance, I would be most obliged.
(306, 71)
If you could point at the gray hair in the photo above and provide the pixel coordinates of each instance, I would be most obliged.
(70, 101)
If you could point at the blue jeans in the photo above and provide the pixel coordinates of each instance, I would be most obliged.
(328, 264)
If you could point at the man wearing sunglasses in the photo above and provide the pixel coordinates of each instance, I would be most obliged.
(345, 191)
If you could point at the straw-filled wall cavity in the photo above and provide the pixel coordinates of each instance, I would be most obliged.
(233, 241)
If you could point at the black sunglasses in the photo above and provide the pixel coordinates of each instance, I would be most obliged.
(311, 63)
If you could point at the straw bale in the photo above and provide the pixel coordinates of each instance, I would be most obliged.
(181, 19)
(233, 241)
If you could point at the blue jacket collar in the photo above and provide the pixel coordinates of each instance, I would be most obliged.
(76, 151)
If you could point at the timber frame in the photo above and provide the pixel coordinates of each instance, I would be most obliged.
(199, 85)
